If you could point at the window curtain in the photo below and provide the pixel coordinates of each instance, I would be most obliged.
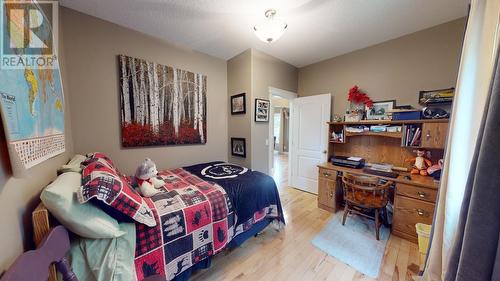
(472, 92)
(475, 255)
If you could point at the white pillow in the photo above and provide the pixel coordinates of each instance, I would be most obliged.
(85, 220)
(73, 165)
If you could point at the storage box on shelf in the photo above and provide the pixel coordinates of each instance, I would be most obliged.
(414, 200)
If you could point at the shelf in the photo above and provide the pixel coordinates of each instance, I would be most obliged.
(378, 134)
(390, 122)
(332, 141)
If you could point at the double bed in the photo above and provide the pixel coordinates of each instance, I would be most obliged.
(204, 209)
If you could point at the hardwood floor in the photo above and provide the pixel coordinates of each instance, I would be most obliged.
(289, 255)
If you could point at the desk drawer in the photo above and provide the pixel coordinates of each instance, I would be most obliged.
(416, 192)
(408, 212)
(327, 174)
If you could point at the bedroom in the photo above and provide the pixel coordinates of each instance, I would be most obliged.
(393, 51)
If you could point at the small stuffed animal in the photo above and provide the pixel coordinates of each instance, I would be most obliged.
(420, 163)
(147, 180)
(435, 170)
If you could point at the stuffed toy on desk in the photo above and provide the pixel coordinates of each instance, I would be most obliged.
(435, 170)
(147, 180)
(420, 163)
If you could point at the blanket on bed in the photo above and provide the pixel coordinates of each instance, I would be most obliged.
(253, 194)
(195, 220)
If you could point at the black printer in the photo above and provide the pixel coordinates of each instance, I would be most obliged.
(350, 162)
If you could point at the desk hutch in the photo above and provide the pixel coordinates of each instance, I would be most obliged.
(414, 200)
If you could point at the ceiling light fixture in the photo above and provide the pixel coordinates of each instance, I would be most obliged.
(271, 29)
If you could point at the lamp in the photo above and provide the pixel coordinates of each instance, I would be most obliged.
(271, 29)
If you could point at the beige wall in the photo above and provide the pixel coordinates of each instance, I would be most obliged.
(396, 69)
(239, 80)
(91, 49)
(253, 72)
(19, 197)
(267, 71)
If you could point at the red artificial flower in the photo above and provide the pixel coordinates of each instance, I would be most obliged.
(357, 97)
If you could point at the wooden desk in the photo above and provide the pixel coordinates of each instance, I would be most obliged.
(417, 180)
(414, 199)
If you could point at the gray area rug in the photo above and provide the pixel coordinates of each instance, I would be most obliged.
(354, 243)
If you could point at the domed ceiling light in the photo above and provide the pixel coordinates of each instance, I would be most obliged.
(271, 29)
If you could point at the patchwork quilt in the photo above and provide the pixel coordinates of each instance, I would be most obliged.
(194, 220)
(200, 211)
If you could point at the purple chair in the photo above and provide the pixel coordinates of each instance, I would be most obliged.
(34, 265)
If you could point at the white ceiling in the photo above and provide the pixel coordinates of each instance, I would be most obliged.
(317, 29)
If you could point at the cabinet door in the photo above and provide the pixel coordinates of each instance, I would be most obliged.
(326, 192)
(434, 135)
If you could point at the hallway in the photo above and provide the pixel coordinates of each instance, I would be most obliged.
(280, 169)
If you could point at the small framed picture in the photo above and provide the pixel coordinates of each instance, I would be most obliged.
(379, 110)
(238, 147)
(262, 110)
(238, 104)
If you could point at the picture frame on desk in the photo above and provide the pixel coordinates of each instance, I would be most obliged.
(379, 110)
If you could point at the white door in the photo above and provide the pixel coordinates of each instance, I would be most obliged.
(309, 140)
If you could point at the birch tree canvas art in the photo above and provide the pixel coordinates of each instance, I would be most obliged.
(161, 105)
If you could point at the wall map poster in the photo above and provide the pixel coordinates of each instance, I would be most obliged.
(31, 96)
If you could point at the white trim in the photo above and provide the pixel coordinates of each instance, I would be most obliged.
(282, 93)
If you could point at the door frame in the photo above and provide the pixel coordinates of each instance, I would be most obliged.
(290, 96)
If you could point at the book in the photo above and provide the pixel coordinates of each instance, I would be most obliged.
(416, 137)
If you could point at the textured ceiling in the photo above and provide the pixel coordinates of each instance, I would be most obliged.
(317, 29)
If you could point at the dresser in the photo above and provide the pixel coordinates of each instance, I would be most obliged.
(415, 199)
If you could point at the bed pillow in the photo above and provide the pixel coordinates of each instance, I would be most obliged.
(74, 165)
(103, 183)
(98, 157)
(85, 220)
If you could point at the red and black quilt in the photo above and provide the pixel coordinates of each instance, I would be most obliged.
(194, 220)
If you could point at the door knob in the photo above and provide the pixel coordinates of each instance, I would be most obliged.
(324, 151)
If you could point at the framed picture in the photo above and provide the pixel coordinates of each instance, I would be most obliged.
(238, 147)
(379, 110)
(150, 115)
(262, 110)
(238, 104)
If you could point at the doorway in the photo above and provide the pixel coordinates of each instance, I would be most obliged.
(279, 134)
